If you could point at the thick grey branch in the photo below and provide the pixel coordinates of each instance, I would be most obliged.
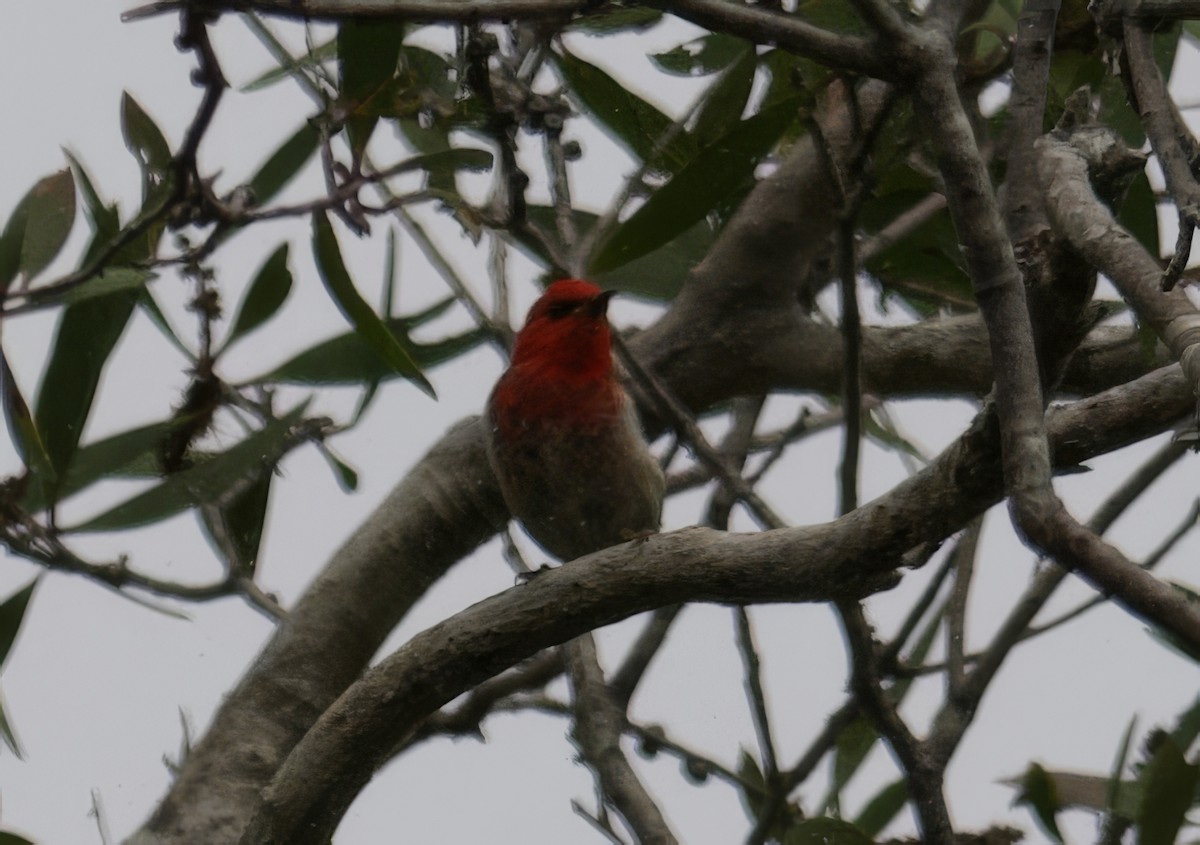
(598, 722)
(1075, 210)
(338, 756)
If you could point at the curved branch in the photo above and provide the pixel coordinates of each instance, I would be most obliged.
(1075, 210)
(847, 557)
(735, 328)
(307, 798)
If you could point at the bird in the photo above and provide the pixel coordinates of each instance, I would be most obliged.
(563, 436)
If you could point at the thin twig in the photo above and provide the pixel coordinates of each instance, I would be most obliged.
(673, 410)
(963, 561)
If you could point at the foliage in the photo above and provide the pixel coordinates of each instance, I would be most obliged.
(460, 115)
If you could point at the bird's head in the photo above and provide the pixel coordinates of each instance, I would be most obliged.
(567, 331)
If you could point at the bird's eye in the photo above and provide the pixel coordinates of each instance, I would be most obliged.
(558, 310)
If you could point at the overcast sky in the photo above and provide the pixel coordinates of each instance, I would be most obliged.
(97, 684)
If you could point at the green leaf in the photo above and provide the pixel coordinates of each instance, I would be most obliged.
(9, 736)
(367, 55)
(613, 20)
(224, 475)
(835, 15)
(284, 163)
(12, 612)
(884, 807)
(373, 331)
(263, 298)
(1169, 788)
(315, 57)
(130, 454)
(145, 140)
(701, 56)
(12, 838)
(12, 239)
(235, 527)
(24, 431)
(658, 275)
(1038, 792)
(919, 651)
(924, 268)
(87, 333)
(627, 118)
(102, 217)
(726, 98)
(1188, 727)
(150, 305)
(789, 77)
(346, 475)
(38, 227)
(750, 773)
(1113, 798)
(851, 748)
(386, 309)
(824, 831)
(347, 359)
(709, 179)
(449, 161)
(111, 280)
(1139, 214)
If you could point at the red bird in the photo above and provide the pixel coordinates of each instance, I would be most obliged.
(563, 436)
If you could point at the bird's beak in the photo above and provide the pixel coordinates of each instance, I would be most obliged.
(598, 307)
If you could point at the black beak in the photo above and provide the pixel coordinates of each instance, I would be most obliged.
(598, 307)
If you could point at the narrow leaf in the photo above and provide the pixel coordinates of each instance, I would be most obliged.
(346, 475)
(448, 161)
(102, 217)
(284, 163)
(266, 294)
(700, 56)
(145, 140)
(12, 612)
(750, 773)
(612, 20)
(1039, 793)
(825, 831)
(347, 359)
(1188, 727)
(38, 227)
(130, 454)
(1113, 796)
(87, 333)
(657, 275)
(851, 748)
(726, 98)
(367, 55)
(313, 58)
(366, 322)
(9, 737)
(24, 431)
(153, 310)
(709, 179)
(884, 807)
(112, 280)
(12, 239)
(225, 474)
(1169, 787)
(630, 120)
(235, 528)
